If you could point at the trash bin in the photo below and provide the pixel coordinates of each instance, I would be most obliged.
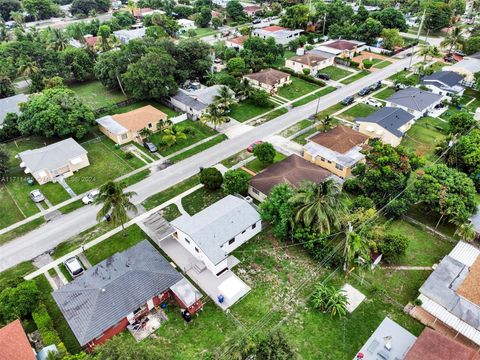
(221, 299)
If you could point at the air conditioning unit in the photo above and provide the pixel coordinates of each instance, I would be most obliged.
(249, 199)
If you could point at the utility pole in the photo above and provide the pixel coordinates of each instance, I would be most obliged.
(418, 37)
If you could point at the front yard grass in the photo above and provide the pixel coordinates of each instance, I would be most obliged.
(97, 96)
(330, 110)
(21, 230)
(167, 194)
(256, 165)
(302, 139)
(382, 64)
(236, 158)
(385, 93)
(297, 88)
(335, 72)
(424, 136)
(171, 212)
(201, 199)
(246, 110)
(314, 96)
(199, 148)
(11, 276)
(292, 130)
(356, 111)
(355, 77)
(10, 211)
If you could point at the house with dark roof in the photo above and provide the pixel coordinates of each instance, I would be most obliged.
(269, 79)
(388, 124)
(416, 101)
(213, 233)
(11, 105)
(293, 171)
(340, 48)
(121, 291)
(311, 61)
(466, 67)
(281, 35)
(14, 344)
(337, 150)
(447, 83)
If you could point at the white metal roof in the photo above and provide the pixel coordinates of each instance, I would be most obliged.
(465, 253)
(111, 125)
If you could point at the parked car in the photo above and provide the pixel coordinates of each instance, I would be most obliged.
(373, 102)
(323, 76)
(150, 146)
(252, 147)
(459, 53)
(74, 266)
(364, 91)
(440, 106)
(376, 86)
(256, 21)
(90, 197)
(225, 33)
(37, 196)
(348, 100)
(449, 59)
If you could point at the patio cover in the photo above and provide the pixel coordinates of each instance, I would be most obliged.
(186, 292)
(232, 289)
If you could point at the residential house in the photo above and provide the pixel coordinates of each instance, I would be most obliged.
(213, 233)
(125, 36)
(186, 24)
(388, 341)
(309, 61)
(195, 102)
(337, 150)
(388, 124)
(269, 79)
(293, 171)
(142, 12)
(341, 48)
(121, 291)
(466, 67)
(11, 105)
(14, 344)
(237, 42)
(221, 3)
(126, 127)
(447, 83)
(251, 10)
(88, 40)
(51, 162)
(416, 101)
(281, 35)
(450, 298)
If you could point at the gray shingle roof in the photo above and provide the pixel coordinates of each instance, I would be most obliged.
(449, 78)
(52, 157)
(10, 105)
(414, 98)
(389, 118)
(198, 99)
(109, 291)
(217, 224)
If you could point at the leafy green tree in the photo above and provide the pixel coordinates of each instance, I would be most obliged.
(9, 128)
(393, 246)
(120, 348)
(173, 134)
(6, 87)
(356, 249)
(124, 18)
(461, 122)
(58, 40)
(278, 211)
(202, 19)
(109, 68)
(236, 182)
(116, 203)
(369, 31)
(152, 76)
(296, 17)
(216, 22)
(362, 14)
(54, 82)
(346, 30)
(211, 178)
(259, 53)
(193, 59)
(40, 9)
(18, 302)
(5, 163)
(104, 33)
(275, 346)
(438, 15)
(7, 7)
(168, 24)
(85, 7)
(79, 62)
(236, 66)
(337, 12)
(458, 6)
(260, 98)
(214, 115)
(391, 38)
(55, 112)
(235, 10)
(472, 45)
(391, 18)
(330, 300)
(265, 153)
(404, 80)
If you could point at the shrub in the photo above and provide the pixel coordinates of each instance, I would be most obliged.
(128, 155)
(260, 98)
(329, 299)
(236, 181)
(45, 326)
(393, 246)
(211, 178)
(265, 153)
(354, 64)
(367, 64)
(19, 301)
(306, 71)
(362, 202)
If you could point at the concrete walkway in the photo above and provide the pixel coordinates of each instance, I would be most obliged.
(60, 275)
(407, 267)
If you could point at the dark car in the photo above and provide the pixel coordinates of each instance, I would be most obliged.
(323, 76)
(348, 100)
(364, 91)
(376, 86)
(449, 58)
(150, 146)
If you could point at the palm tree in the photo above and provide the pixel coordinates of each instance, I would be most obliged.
(131, 6)
(356, 247)
(453, 39)
(244, 89)
(215, 116)
(173, 134)
(320, 206)
(329, 299)
(145, 133)
(27, 68)
(225, 98)
(115, 202)
(428, 50)
(465, 229)
(326, 124)
(18, 17)
(58, 40)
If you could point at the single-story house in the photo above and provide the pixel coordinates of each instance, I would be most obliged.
(433, 345)
(251, 10)
(90, 40)
(388, 124)
(281, 35)
(450, 294)
(309, 61)
(11, 105)
(119, 291)
(293, 171)
(416, 101)
(127, 35)
(447, 83)
(269, 79)
(14, 344)
(466, 67)
(194, 103)
(388, 341)
(237, 42)
(213, 233)
(126, 127)
(62, 158)
(140, 13)
(221, 3)
(341, 48)
(186, 24)
(337, 150)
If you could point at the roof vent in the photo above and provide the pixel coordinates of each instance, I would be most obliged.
(103, 290)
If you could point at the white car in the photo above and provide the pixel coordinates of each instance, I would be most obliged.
(74, 266)
(373, 102)
(90, 197)
(37, 196)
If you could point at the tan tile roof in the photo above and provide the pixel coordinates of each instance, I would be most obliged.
(14, 343)
(293, 170)
(340, 139)
(274, 28)
(138, 119)
(268, 76)
(308, 59)
(432, 345)
(239, 40)
(470, 287)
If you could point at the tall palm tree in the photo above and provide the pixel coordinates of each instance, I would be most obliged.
(329, 299)
(57, 40)
(115, 202)
(173, 134)
(356, 246)
(428, 50)
(131, 6)
(27, 68)
(320, 206)
(215, 116)
(465, 229)
(224, 99)
(244, 89)
(453, 39)
(326, 123)
(145, 133)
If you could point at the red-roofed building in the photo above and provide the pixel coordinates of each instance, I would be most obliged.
(90, 40)
(236, 43)
(14, 344)
(251, 10)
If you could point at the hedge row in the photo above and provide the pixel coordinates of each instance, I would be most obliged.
(307, 78)
(45, 326)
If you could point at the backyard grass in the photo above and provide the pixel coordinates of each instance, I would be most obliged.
(385, 93)
(355, 77)
(256, 165)
(199, 148)
(21, 230)
(424, 136)
(139, 104)
(97, 96)
(430, 218)
(314, 96)
(292, 130)
(335, 73)
(356, 111)
(281, 60)
(201, 199)
(297, 88)
(246, 110)
(302, 139)
(171, 212)
(170, 193)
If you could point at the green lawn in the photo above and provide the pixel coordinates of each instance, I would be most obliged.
(281, 60)
(355, 77)
(335, 73)
(399, 74)
(17, 146)
(236, 158)
(382, 64)
(331, 110)
(424, 136)
(201, 199)
(97, 96)
(292, 130)
(246, 110)
(171, 212)
(21, 230)
(302, 139)
(297, 88)
(314, 96)
(358, 110)
(199, 148)
(10, 211)
(199, 131)
(139, 104)
(170, 193)
(13, 275)
(256, 166)
(71, 207)
(385, 93)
